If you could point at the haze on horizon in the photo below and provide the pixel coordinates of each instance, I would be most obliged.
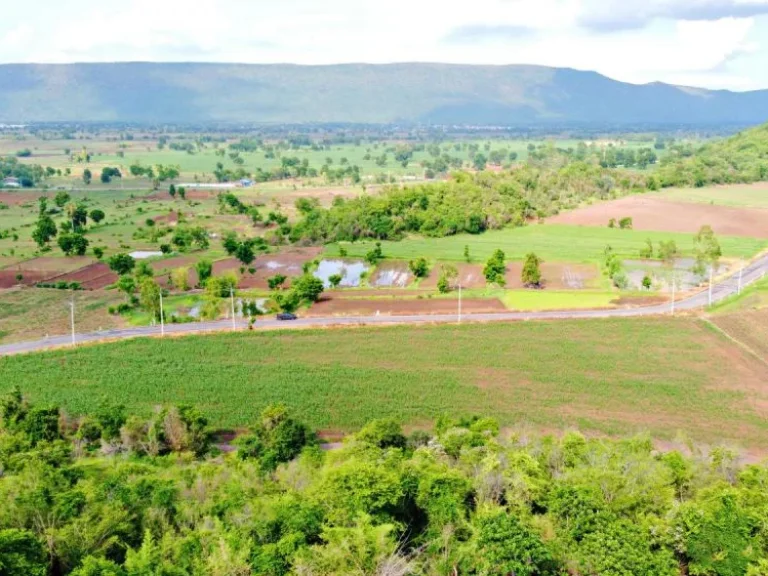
(707, 43)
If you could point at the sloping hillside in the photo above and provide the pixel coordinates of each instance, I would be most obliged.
(430, 93)
(740, 158)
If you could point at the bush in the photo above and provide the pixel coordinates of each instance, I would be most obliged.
(419, 267)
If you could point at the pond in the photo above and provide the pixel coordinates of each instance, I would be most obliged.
(662, 275)
(351, 272)
(391, 275)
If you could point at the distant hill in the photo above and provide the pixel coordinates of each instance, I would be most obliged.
(355, 93)
(742, 158)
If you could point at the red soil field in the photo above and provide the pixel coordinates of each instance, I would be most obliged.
(470, 275)
(16, 198)
(93, 277)
(350, 307)
(555, 276)
(650, 213)
(30, 277)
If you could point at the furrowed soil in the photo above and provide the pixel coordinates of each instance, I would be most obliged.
(385, 307)
(660, 214)
(617, 376)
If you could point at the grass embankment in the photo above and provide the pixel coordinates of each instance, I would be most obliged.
(612, 376)
(552, 242)
(745, 318)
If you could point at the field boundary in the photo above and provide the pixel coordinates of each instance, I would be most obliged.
(734, 340)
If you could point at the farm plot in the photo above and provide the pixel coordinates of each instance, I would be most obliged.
(288, 263)
(40, 270)
(391, 274)
(750, 327)
(470, 276)
(93, 277)
(551, 242)
(745, 195)
(392, 307)
(617, 376)
(31, 314)
(660, 214)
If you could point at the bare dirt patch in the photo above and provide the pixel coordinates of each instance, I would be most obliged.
(16, 198)
(29, 278)
(93, 277)
(470, 276)
(170, 218)
(288, 263)
(555, 276)
(651, 213)
(361, 307)
(641, 300)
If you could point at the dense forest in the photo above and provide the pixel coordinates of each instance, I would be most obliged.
(552, 180)
(110, 494)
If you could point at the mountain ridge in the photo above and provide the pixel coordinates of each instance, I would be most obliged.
(430, 93)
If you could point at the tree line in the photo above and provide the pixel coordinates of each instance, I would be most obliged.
(110, 493)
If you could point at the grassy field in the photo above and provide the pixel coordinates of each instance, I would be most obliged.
(203, 162)
(536, 300)
(36, 313)
(554, 243)
(741, 195)
(610, 376)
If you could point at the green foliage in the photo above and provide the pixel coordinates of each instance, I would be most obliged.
(204, 270)
(531, 275)
(625, 223)
(504, 545)
(382, 434)
(707, 249)
(73, 244)
(277, 438)
(419, 267)
(668, 251)
(276, 281)
(335, 280)
(647, 251)
(307, 287)
(22, 553)
(495, 269)
(374, 255)
(121, 264)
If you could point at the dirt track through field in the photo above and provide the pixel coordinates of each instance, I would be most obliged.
(652, 213)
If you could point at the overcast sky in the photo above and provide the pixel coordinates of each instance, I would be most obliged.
(710, 43)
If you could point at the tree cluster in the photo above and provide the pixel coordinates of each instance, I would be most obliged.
(109, 493)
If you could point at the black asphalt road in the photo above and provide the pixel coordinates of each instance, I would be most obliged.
(721, 290)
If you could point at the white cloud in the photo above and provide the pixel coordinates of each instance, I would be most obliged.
(664, 40)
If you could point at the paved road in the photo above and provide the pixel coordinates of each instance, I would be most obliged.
(723, 289)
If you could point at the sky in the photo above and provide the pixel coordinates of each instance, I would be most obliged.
(707, 43)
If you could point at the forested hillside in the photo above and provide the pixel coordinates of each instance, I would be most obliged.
(552, 180)
(741, 158)
(118, 495)
(355, 93)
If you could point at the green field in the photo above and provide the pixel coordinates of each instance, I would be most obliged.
(612, 376)
(203, 162)
(552, 242)
(739, 195)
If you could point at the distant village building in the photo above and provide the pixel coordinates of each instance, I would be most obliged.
(11, 182)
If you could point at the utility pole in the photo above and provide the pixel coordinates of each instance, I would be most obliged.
(162, 315)
(232, 299)
(741, 272)
(674, 286)
(459, 302)
(72, 317)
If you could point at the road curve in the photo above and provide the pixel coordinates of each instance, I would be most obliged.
(721, 290)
